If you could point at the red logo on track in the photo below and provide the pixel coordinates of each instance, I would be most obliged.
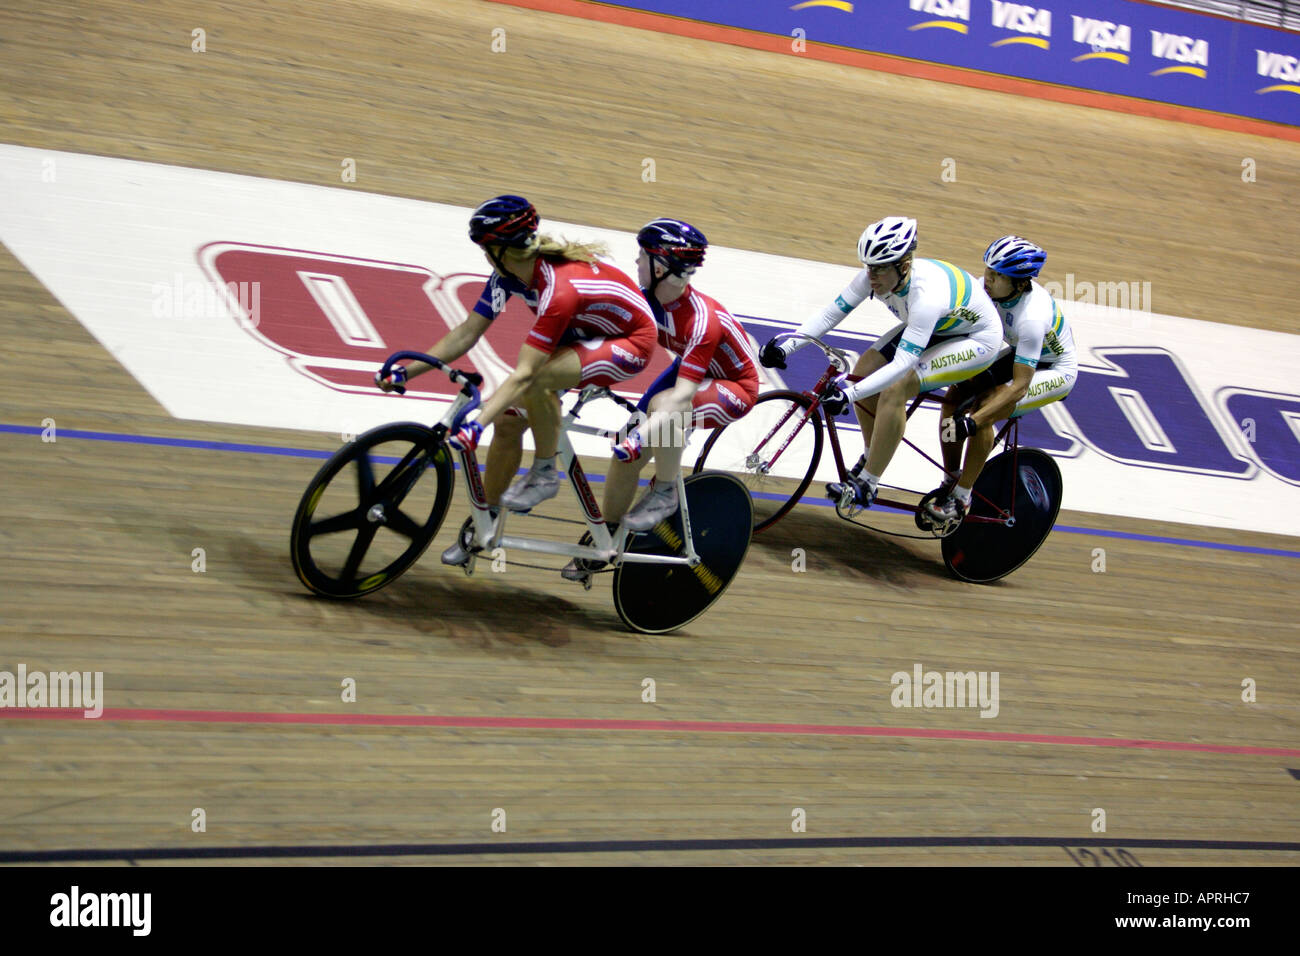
(337, 318)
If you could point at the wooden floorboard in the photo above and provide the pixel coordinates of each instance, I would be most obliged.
(779, 155)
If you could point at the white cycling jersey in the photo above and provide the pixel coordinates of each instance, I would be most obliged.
(1034, 325)
(939, 302)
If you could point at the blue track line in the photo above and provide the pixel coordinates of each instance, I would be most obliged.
(309, 453)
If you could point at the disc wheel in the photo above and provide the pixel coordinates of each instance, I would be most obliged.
(371, 510)
(773, 450)
(657, 598)
(1024, 483)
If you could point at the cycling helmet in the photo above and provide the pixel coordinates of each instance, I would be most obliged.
(678, 244)
(508, 220)
(887, 241)
(1015, 257)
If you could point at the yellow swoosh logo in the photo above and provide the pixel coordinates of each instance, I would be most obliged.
(835, 4)
(1031, 41)
(946, 24)
(1281, 87)
(1193, 70)
(1117, 57)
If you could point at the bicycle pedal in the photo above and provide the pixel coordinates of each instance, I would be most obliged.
(848, 506)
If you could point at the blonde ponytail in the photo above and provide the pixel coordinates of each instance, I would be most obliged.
(544, 245)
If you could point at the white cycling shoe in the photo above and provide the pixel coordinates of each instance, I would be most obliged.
(532, 489)
(658, 505)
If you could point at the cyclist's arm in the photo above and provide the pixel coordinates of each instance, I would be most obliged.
(691, 370)
(907, 354)
(675, 407)
(1002, 400)
(854, 294)
(454, 344)
(512, 389)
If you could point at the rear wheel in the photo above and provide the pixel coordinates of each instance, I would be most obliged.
(371, 510)
(656, 598)
(1024, 485)
(773, 450)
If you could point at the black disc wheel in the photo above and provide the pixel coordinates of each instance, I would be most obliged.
(371, 510)
(1020, 490)
(656, 598)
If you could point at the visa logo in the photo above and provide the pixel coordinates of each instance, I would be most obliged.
(1278, 66)
(1173, 46)
(960, 9)
(1102, 34)
(1022, 19)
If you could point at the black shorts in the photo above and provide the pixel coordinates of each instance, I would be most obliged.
(999, 373)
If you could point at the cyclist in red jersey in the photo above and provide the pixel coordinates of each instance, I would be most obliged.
(593, 328)
(713, 382)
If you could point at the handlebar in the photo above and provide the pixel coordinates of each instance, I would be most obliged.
(468, 381)
(837, 357)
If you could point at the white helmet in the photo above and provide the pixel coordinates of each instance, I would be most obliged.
(887, 241)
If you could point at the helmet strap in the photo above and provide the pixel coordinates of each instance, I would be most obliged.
(655, 279)
(903, 275)
(498, 262)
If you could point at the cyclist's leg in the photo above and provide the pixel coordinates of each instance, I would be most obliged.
(592, 362)
(1047, 385)
(621, 479)
(562, 370)
(503, 457)
(957, 359)
(542, 482)
(974, 390)
(880, 353)
(716, 404)
(504, 454)
(977, 453)
(891, 419)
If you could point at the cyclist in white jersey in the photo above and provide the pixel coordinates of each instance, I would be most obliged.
(1040, 367)
(948, 331)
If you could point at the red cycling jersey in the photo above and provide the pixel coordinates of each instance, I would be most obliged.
(580, 300)
(711, 343)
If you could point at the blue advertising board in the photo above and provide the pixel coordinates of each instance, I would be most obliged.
(1114, 46)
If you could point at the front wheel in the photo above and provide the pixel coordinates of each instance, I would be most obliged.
(383, 497)
(773, 450)
(1023, 484)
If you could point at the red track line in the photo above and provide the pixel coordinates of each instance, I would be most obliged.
(885, 63)
(669, 726)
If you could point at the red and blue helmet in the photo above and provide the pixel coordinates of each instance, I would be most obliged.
(505, 220)
(678, 244)
(1015, 257)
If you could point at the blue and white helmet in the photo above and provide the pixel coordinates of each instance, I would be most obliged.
(887, 241)
(1015, 257)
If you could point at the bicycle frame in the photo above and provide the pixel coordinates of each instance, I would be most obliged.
(1009, 434)
(1011, 443)
(489, 532)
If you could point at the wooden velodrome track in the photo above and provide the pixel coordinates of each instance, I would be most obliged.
(765, 152)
